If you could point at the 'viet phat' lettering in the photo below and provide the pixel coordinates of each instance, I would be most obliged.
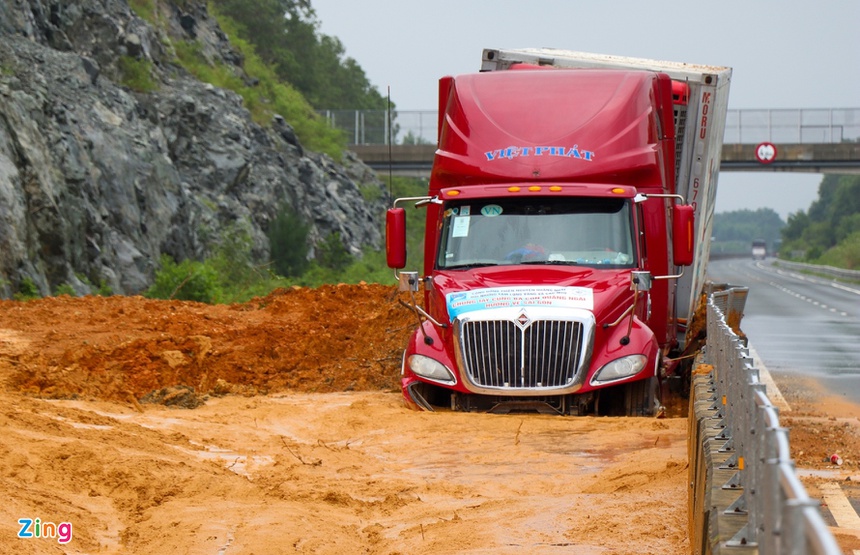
(512, 152)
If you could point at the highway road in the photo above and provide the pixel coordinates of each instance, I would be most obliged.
(799, 323)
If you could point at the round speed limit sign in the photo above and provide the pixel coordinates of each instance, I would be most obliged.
(765, 153)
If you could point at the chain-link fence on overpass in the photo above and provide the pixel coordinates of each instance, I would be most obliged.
(794, 126)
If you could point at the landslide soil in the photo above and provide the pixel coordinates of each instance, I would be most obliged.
(277, 426)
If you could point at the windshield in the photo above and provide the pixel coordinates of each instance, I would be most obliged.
(575, 231)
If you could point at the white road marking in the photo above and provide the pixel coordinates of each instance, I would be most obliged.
(839, 506)
(845, 288)
(773, 392)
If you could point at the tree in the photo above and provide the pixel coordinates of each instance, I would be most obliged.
(831, 220)
(332, 253)
(189, 280)
(797, 222)
(285, 34)
(739, 228)
(288, 242)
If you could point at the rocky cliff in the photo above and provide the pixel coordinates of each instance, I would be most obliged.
(97, 180)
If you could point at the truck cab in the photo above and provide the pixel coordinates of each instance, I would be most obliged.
(554, 239)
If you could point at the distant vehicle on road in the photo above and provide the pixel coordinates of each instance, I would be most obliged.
(759, 249)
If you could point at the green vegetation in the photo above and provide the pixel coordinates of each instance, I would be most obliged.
(65, 289)
(187, 281)
(734, 232)
(332, 263)
(151, 10)
(267, 95)
(229, 275)
(285, 35)
(845, 254)
(146, 9)
(103, 289)
(137, 74)
(411, 139)
(290, 69)
(829, 233)
(27, 290)
(288, 243)
(370, 192)
(333, 254)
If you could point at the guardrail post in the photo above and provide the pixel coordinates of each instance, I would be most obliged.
(749, 464)
(793, 528)
(743, 391)
(772, 494)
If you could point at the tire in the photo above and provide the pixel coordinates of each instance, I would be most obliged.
(640, 397)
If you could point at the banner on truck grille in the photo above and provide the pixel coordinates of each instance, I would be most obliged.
(461, 302)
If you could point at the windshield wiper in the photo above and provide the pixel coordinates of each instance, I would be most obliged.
(552, 262)
(470, 265)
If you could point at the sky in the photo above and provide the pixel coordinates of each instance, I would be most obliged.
(783, 54)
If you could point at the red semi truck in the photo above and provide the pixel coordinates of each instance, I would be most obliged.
(568, 221)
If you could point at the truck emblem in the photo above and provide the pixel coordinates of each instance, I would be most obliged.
(523, 320)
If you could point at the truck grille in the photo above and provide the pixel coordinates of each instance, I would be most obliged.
(503, 354)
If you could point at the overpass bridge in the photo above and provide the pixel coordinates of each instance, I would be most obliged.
(812, 140)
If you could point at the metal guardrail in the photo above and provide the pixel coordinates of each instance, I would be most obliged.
(782, 518)
(830, 271)
(750, 126)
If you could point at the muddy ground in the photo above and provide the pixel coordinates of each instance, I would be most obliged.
(276, 426)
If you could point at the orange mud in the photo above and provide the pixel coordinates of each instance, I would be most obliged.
(298, 441)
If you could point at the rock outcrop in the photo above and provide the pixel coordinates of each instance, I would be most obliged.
(97, 180)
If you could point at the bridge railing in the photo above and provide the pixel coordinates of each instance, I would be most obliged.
(792, 126)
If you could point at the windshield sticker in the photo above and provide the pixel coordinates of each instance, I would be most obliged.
(461, 302)
(491, 210)
(512, 152)
(461, 226)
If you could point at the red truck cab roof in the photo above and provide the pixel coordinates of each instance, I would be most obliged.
(510, 126)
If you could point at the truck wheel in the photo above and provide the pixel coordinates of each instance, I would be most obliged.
(631, 399)
(640, 397)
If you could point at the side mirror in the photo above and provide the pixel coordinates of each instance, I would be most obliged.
(683, 234)
(395, 238)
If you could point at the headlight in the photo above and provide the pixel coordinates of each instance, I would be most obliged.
(620, 368)
(431, 369)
